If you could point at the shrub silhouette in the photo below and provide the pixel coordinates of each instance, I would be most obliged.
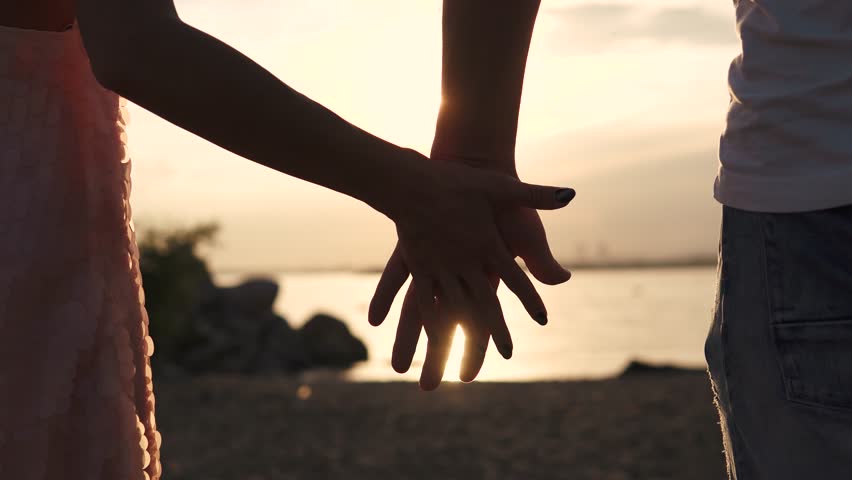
(174, 277)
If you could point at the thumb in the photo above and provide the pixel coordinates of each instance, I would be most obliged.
(511, 192)
(545, 268)
(392, 279)
(524, 234)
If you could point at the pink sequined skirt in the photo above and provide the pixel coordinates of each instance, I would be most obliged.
(76, 398)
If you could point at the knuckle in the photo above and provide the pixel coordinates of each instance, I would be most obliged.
(539, 195)
(529, 194)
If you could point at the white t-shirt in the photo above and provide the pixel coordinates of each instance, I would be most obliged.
(787, 145)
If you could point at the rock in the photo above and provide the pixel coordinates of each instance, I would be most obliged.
(281, 347)
(235, 330)
(253, 296)
(638, 367)
(328, 343)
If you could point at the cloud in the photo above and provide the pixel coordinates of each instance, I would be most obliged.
(602, 26)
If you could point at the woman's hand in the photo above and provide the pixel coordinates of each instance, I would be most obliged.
(457, 249)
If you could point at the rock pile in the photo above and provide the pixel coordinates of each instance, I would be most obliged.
(235, 330)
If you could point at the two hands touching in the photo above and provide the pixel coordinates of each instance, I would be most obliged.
(457, 244)
(461, 221)
(464, 241)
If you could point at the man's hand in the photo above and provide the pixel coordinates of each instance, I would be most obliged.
(484, 52)
(523, 234)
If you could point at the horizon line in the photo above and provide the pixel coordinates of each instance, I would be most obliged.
(614, 264)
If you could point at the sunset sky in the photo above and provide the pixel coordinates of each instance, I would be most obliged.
(623, 101)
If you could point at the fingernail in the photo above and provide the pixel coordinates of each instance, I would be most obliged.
(565, 195)
(541, 318)
(506, 351)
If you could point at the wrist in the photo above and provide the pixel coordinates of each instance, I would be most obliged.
(405, 181)
(495, 159)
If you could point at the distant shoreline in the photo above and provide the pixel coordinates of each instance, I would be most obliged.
(578, 265)
(643, 264)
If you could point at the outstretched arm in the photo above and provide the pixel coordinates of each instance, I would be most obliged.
(444, 213)
(143, 51)
(485, 46)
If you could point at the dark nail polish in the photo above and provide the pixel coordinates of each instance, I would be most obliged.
(541, 318)
(565, 195)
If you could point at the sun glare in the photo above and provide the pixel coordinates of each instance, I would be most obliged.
(454, 361)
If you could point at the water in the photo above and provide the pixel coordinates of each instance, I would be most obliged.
(599, 320)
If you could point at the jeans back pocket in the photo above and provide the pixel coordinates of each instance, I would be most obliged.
(816, 361)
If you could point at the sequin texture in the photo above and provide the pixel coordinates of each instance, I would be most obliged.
(76, 393)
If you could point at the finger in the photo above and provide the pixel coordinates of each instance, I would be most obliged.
(440, 335)
(440, 330)
(505, 190)
(494, 281)
(489, 313)
(518, 282)
(424, 297)
(471, 316)
(407, 333)
(475, 347)
(393, 277)
(542, 265)
(545, 268)
(452, 298)
(524, 235)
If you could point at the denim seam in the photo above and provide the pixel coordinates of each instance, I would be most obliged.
(809, 321)
(770, 306)
(812, 405)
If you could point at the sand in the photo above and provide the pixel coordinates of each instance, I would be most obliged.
(658, 426)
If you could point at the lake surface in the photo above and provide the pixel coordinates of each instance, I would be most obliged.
(598, 321)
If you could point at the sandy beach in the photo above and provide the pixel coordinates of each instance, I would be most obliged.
(655, 426)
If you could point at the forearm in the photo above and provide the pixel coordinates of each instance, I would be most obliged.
(485, 47)
(204, 86)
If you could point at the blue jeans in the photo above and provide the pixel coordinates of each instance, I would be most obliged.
(779, 351)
